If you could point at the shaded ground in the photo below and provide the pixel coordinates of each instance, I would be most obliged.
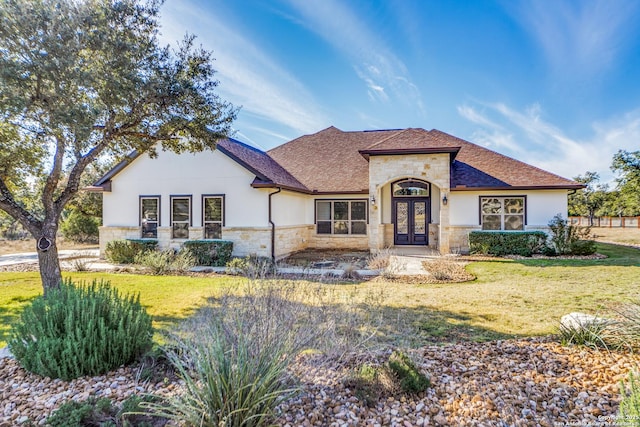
(330, 258)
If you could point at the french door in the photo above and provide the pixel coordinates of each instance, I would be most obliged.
(411, 221)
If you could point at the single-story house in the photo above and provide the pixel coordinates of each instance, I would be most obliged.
(331, 189)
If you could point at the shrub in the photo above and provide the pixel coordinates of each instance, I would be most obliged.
(443, 269)
(80, 330)
(216, 253)
(162, 262)
(629, 411)
(102, 412)
(589, 333)
(125, 251)
(499, 243)
(411, 379)
(567, 239)
(79, 227)
(252, 267)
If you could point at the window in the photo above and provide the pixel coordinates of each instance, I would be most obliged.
(212, 216)
(180, 216)
(149, 216)
(502, 213)
(410, 187)
(341, 216)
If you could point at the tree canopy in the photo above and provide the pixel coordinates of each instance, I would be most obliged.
(82, 80)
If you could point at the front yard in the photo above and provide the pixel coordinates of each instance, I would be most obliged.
(509, 297)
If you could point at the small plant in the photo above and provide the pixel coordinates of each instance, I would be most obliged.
(629, 411)
(594, 333)
(350, 271)
(252, 267)
(411, 379)
(370, 383)
(446, 270)
(103, 412)
(80, 330)
(379, 260)
(125, 251)
(162, 262)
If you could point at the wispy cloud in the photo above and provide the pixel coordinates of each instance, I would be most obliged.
(578, 38)
(247, 75)
(527, 136)
(382, 72)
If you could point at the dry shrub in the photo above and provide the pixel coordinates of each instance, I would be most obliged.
(379, 260)
(446, 270)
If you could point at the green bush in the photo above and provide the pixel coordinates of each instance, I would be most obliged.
(216, 253)
(499, 243)
(125, 251)
(411, 379)
(162, 262)
(80, 330)
(567, 239)
(78, 227)
(629, 411)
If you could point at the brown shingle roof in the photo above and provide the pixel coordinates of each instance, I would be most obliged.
(331, 160)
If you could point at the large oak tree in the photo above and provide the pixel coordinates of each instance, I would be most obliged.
(82, 80)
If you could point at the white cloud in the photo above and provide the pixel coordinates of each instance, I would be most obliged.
(382, 71)
(578, 38)
(248, 77)
(528, 137)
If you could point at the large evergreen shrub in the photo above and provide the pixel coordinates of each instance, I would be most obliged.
(81, 228)
(81, 330)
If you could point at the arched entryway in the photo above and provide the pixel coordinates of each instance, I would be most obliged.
(410, 212)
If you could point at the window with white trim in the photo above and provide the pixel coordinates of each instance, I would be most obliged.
(212, 216)
(180, 216)
(149, 216)
(502, 213)
(341, 217)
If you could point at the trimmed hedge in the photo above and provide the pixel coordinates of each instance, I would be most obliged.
(216, 253)
(498, 243)
(126, 251)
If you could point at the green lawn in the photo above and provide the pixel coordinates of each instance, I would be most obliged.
(508, 298)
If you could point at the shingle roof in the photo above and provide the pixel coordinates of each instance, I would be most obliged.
(332, 160)
(268, 171)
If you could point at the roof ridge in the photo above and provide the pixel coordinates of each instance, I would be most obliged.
(388, 137)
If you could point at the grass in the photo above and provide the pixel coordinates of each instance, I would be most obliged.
(509, 298)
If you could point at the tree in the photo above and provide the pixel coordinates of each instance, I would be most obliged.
(627, 164)
(82, 80)
(587, 201)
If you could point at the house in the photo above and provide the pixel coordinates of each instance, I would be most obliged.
(331, 189)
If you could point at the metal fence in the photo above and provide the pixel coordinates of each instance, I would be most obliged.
(607, 221)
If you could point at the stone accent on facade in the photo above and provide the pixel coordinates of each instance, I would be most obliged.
(249, 240)
(107, 234)
(433, 168)
(320, 241)
(290, 239)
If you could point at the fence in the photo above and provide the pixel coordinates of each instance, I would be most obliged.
(607, 221)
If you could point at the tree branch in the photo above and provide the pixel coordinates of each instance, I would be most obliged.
(10, 206)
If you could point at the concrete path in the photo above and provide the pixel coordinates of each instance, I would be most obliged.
(32, 257)
(408, 261)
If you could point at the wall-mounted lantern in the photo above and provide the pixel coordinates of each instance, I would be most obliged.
(445, 200)
(373, 199)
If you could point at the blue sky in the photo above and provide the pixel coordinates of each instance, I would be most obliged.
(549, 82)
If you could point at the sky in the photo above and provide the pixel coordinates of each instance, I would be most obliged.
(550, 82)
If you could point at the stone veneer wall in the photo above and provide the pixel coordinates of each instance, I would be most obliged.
(433, 168)
(107, 234)
(290, 239)
(334, 242)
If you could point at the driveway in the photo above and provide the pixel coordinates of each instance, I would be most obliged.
(32, 257)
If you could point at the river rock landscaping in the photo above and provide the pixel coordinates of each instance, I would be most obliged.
(522, 382)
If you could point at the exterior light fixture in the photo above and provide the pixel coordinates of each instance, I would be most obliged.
(445, 200)
(373, 199)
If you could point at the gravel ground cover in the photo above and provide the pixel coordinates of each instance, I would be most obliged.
(525, 382)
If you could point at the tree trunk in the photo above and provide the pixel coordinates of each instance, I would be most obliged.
(49, 263)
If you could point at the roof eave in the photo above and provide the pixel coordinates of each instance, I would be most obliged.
(521, 187)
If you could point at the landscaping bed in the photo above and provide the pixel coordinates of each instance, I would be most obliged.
(532, 381)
